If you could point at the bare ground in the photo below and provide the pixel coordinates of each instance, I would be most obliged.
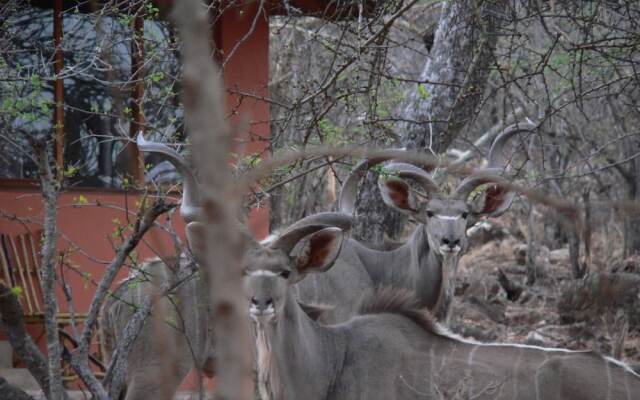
(529, 314)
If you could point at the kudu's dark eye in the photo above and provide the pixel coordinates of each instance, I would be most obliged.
(465, 215)
(285, 274)
(429, 214)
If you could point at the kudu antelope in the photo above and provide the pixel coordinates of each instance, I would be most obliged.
(179, 336)
(427, 263)
(392, 350)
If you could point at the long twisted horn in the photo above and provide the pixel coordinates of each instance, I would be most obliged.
(468, 185)
(190, 209)
(404, 170)
(500, 199)
(349, 191)
(495, 156)
(308, 225)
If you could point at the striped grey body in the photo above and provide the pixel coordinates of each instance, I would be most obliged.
(427, 263)
(389, 356)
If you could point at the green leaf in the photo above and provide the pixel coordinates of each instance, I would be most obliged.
(125, 19)
(7, 104)
(86, 276)
(152, 11)
(156, 77)
(70, 172)
(133, 284)
(423, 92)
(35, 80)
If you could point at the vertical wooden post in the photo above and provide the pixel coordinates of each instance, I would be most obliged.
(215, 15)
(58, 93)
(137, 92)
(247, 70)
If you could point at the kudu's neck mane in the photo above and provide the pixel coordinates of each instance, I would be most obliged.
(390, 300)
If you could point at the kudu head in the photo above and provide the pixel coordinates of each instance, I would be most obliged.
(309, 246)
(445, 217)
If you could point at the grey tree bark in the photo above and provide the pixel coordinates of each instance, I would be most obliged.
(632, 223)
(212, 141)
(12, 320)
(373, 215)
(456, 73)
(49, 185)
(631, 177)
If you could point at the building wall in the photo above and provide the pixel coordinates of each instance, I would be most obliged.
(243, 35)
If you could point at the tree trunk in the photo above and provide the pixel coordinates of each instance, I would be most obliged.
(459, 63)
(12, 323)
(457, 71)
(632, 221)
(49, 186)
(574, 252)
(630, 175)
(204, 109)
(375, 218)
(372, 212)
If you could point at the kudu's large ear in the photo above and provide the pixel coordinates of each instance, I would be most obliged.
(396, 193)
(483, 191)
(491, 200)
(317, 252)
(487, 194)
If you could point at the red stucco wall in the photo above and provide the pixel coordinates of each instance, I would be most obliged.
(88, 228)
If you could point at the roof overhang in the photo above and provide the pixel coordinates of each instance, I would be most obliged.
(325, 9)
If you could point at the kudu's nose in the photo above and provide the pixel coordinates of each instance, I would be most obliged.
(262, 303)
(451, 242)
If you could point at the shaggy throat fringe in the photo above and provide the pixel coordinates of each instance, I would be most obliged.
(268, 377)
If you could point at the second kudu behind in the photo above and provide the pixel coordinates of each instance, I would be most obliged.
(426, 264)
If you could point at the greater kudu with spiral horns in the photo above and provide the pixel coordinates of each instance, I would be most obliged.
(179, 329)
(427, 263)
